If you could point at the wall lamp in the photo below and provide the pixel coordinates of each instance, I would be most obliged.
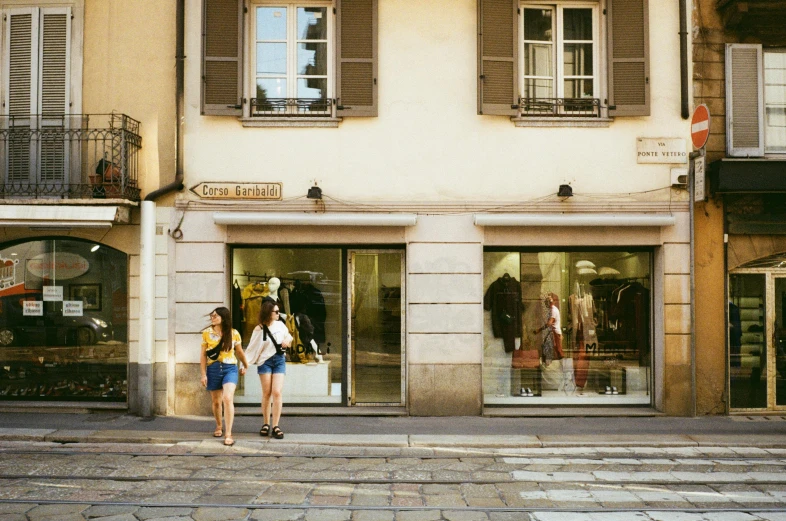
(565, 191)
(314, 192)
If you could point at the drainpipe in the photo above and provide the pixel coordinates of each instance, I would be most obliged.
(685, 102)
(147, 250)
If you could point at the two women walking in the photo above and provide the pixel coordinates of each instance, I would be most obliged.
(221, 351)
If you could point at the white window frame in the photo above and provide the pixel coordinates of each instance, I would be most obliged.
(292, 43)
(76, 50)
(558, 43)
(769, 152)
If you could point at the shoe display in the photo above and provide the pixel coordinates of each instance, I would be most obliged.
(614, 390)
(608, 390)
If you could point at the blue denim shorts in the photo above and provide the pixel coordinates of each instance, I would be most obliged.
(276, 364)
(219, 373)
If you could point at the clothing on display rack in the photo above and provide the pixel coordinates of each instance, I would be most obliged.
(629, 316)
(503, 299)
(252, 296)
(585, 338)
(313, 306)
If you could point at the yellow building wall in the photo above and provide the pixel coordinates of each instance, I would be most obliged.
(129, 67)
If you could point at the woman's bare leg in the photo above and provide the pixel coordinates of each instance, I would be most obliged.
(276, 386)
(266, 381)
(229, 408)
(215, 397)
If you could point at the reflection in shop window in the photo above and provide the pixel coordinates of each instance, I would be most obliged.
(63, 321)
(309, 284)
(567, 327)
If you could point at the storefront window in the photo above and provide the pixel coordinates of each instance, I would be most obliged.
(310, 286)
(63, 321)
(567, 327)
(747, 344)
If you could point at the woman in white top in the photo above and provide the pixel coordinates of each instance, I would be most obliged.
(554, 323)
(272, 364)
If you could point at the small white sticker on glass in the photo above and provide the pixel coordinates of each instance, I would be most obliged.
(276, 14)
(317, 15)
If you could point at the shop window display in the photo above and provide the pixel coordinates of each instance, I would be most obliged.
(63, 321)
(567, 327)
(307, 285)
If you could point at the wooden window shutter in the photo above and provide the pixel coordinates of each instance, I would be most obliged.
(744, 100)
(356, 62)
(222, 57)
(498, 45)
(55, 58)
(629, 62)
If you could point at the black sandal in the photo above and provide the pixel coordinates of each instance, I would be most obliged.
(265, 430)
(278, 433)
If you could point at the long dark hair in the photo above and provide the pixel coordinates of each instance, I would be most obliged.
(226, 327)
(266, 311)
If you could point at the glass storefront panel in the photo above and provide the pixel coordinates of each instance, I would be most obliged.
(567, 327)
(747, 341)
(63, 321)
(779, 337)
(376, 327)
(311, 285)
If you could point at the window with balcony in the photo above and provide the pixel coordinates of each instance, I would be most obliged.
(559, 60)
(579, 58)
(292, 73)
(755, 100)
(304, 60)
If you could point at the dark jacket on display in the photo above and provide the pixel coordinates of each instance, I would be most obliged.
(503, 299)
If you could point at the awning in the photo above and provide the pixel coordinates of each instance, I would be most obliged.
(56, 216)
(574, 219)
(748, 176)
(314, 219)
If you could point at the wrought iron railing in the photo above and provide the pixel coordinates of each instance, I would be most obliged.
(69, 156)
(560, 107)
(314, 107)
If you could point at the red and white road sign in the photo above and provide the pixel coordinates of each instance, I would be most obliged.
(700, 126)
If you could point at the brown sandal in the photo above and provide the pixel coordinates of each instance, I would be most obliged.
(218, 432)
(229, 442)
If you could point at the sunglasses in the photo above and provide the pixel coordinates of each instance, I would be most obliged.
(213, 315)
(276, 311)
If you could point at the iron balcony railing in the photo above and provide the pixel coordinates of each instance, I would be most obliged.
(69, 156)
(313, 107)
(560, 107)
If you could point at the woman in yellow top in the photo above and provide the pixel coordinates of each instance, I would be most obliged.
(221, 350)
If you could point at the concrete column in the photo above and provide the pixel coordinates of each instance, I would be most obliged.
(147, 281)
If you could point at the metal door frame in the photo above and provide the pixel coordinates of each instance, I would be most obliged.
(349, 358)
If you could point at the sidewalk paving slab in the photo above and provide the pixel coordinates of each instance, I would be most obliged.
(736, 440)
(617, 440)
(24, 434)
(488, 440)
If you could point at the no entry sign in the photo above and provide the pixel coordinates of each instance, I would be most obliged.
(700, 126)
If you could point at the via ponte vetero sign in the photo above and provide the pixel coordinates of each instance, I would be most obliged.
(256, 191)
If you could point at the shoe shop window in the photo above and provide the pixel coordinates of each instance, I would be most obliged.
(567, 327)
(63, 321)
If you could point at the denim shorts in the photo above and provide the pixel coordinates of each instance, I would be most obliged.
(219, 373)
(276, 364)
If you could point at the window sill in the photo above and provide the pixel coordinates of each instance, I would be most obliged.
(297, 122)
(536, 121)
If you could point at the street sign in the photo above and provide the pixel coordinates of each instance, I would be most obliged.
(699, 180)
(700, 126)
(257, 191)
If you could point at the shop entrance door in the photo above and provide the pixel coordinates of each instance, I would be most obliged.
(757, 340)
(376, 310)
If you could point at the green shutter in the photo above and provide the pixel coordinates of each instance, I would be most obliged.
(222, 57)
(498, 57)
(356, 58)
(629, 64)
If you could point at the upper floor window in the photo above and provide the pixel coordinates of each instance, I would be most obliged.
(304, 59)
(559, 60)
(775, 101)
(293, 73)
(755, 100)
(563, 59)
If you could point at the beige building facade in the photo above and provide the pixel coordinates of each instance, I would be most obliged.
(477, 205)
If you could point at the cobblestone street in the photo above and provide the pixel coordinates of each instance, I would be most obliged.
(255, 480)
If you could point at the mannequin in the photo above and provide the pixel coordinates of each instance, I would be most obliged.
(272, 286)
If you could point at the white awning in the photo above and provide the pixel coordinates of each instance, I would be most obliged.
(56, 216)
(314, 219)
(574, 219)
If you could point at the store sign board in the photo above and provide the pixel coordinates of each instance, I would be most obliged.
(661, 150)
(53, 293)
(255, 191)
(72, 308)
(58, 266)
(33, 308)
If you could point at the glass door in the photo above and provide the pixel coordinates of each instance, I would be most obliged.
(376, 347)
(757, 341)
(778, 336)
